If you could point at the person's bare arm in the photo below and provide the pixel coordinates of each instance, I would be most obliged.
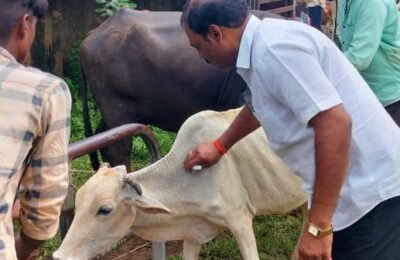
(27, 248)
(332, 151)
(207, 155)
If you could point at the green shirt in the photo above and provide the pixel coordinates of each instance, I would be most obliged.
(370, 39)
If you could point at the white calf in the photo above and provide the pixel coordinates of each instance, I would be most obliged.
(162, 202)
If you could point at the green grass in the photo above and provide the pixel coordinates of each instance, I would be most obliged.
(49, 247)
(276, 238)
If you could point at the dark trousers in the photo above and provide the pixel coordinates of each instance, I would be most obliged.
(315, 14)
(376, 236)
(394, 112)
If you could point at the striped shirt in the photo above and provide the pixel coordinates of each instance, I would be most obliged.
(34, 135)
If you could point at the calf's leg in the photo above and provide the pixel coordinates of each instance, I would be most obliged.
(191, 250)
(242, 230)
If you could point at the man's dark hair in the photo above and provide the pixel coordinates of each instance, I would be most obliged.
(199, 14)
(12, 10)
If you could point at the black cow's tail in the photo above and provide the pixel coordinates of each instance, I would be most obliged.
(94, 160)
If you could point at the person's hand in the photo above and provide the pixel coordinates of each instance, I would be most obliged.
(27, 248)
(315, 248)
(204, 155)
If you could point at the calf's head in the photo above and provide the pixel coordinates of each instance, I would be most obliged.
(105, 209)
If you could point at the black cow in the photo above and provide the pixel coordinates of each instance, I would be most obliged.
(141, 68)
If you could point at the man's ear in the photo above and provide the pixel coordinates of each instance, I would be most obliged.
(23, 25)
(214, 33)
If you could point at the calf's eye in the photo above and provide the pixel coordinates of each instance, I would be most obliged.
(104, 211)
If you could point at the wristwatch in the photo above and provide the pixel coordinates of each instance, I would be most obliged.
(317, 232)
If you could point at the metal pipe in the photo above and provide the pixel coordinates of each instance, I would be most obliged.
(98, 141)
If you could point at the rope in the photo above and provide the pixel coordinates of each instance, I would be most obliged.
(82, 171)
(73, 187)
(133, 250)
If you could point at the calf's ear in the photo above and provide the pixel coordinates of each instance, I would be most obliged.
(132, 193)
(151, 206)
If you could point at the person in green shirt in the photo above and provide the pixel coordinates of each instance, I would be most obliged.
(370, 39)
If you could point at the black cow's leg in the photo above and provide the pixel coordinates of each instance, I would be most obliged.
(118, 153)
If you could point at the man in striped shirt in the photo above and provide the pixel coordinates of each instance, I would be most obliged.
(34, 134)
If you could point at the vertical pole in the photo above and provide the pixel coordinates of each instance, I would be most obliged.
(158, 250)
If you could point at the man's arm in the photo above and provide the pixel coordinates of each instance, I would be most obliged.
(244, 123)
(27, 248)
(332, 151)
(31, 248)
(207, 155)
(46, 177)
(368, 29)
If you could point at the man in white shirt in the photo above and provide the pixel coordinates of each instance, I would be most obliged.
(320, 117)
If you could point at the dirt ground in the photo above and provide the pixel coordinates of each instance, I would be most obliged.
(136, 248)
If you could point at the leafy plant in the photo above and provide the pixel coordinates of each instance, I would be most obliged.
(110, 7)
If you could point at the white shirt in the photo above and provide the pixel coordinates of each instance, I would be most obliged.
(294, 72)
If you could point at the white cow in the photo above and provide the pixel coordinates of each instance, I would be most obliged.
(163, 202)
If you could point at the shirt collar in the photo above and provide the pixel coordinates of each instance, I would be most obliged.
(6, 55)
(243, 60)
